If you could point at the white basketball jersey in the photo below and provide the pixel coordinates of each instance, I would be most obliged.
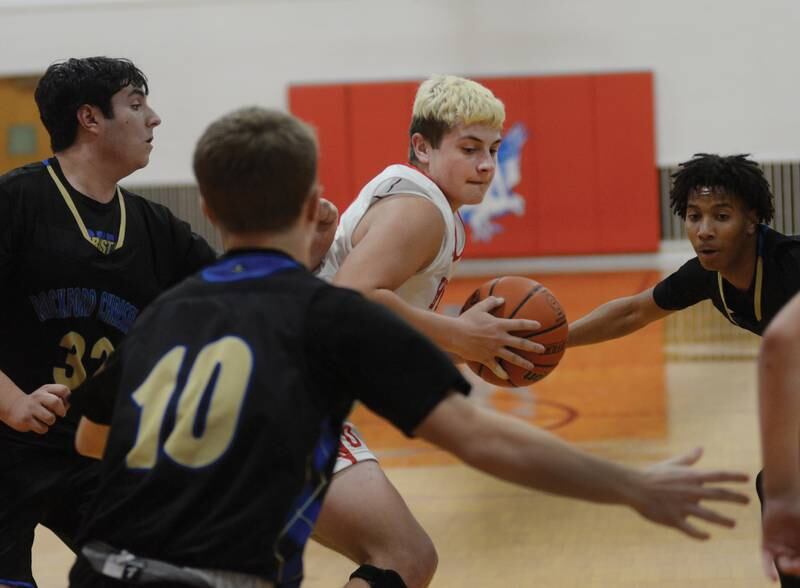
(425, 288)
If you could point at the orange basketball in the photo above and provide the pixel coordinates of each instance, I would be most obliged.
(528, 299)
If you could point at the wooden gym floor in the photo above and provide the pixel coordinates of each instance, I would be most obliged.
(625, 400)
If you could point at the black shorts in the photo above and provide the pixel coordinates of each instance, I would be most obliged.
(39, 485)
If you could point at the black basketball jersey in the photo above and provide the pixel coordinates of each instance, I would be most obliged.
(74, 275)
(232, 389)
(780, 255)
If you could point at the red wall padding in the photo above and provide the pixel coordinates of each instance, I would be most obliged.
(588, 173)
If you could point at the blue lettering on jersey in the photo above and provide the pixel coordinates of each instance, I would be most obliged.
(117, 312)
(102, 240)
(64, 303)
(67, 303)
(247, 266)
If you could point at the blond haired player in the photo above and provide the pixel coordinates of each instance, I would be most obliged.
(398, 243)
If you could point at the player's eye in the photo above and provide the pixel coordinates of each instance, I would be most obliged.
(136, 106)
(469, 150)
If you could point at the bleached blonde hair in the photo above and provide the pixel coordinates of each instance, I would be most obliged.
(444, 101)
(453, 100)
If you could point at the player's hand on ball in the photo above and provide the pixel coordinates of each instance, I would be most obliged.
(38, 410)
(327, 219)
(484, 337)
(671, 491)
(781, 535)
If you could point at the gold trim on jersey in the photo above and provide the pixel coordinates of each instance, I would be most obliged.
(756, 293)
(77, 216)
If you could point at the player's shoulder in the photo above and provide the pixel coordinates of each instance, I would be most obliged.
(403, 179)
(289, 281)
(691, 274)
(158, 212)
(694, 267)
(31, 174)
(393, 185)
(784, 251)
(778, 243)
(339, 303)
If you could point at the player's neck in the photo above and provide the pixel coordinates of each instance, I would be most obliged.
(741, 272)
(423, 169)
(295, 243)
(89, 174)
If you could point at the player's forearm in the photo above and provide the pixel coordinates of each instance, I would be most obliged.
(91, 438)
(9, 393)
(437, 327)
(609, 321)
(514, 451)
(779, 400)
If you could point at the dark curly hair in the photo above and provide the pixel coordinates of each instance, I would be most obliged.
(68, 85)
(734, 174)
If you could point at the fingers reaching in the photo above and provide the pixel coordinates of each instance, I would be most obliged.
(687, 459)
(686, 527)
(675, 490)
(718, 494)
(711, 516)
(514, 359)
(488, 304)
(497, 370)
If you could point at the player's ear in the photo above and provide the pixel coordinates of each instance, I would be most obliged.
(421, 147)
(88, 117)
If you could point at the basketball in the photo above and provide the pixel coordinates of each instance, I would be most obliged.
(528, 299)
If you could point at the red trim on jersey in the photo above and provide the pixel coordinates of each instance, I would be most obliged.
(344, 453)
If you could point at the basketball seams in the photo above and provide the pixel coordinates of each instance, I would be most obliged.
(536, 289)
(545, 365)
(543, 331)
(492, 286)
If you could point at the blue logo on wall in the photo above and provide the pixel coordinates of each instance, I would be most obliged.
(500, 199)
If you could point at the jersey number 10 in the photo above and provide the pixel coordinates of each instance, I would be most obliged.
(220, 374)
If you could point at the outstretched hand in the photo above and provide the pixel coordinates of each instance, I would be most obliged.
(671, 492)
(780, 543)
(486, 338)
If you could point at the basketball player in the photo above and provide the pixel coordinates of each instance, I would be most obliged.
(397, 244)
(80, 258)
(778, 376)
(748, 270)
(226, 400)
